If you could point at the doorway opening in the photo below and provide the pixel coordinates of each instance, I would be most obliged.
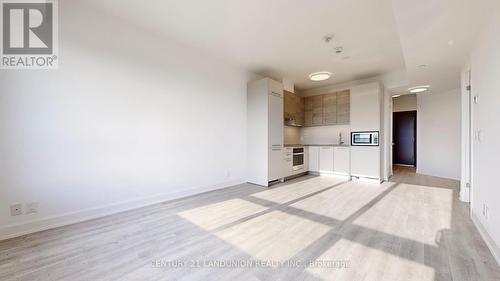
(404, 138)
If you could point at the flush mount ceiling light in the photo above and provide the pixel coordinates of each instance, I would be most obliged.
(320, 76)
(418, 89)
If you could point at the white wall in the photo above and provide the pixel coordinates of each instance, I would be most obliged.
(438, 134)
(405, 103)
(129, 118)
(485, 67)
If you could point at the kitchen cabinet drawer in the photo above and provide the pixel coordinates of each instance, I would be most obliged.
(287, 167)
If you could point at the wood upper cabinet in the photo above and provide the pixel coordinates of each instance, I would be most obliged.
(317, 110)
(343, 107)
(308, 110)
(330, 109)
(288, 103)
(321, 110)
(294, 108)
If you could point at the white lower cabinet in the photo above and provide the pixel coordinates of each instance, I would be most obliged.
(326, 159)
(342, 161)
(287, 162)
(275, 170)
(329, 160)
(313, 158)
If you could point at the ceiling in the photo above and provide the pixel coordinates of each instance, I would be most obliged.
(285, 39)
(436, 38)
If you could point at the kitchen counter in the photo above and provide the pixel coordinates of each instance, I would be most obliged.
(330, 144)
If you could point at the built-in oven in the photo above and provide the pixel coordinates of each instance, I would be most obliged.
(368, 138)
(298, 158)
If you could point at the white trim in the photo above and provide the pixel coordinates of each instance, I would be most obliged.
(11, 231)
(326, 173)
(361, 178)
(466, 124)
(495, 251)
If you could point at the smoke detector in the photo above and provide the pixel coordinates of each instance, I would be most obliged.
(328, 38)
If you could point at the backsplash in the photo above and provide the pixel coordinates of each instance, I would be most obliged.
(325, 134)
(292, 135)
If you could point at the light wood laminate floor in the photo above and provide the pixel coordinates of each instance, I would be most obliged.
(411, 228)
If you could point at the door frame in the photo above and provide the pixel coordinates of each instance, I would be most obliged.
(414, 136)
(466, 181)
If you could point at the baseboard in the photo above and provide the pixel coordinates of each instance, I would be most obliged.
(11, 231)
(366, 179)
(494, 249)
(325, 173)
(426, 173)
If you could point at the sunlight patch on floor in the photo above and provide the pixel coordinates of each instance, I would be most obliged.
(212, 216)
(275, 236)
(375, 265)
(342, 201)
(418, 213)
(287, 192)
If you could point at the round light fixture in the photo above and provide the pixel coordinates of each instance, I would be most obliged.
(418, 89)
(396, 96)
(320, 76)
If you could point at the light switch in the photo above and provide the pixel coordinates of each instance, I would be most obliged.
(479, 135)
(476, 99)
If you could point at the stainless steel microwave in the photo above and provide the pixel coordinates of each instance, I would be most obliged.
(368, 138)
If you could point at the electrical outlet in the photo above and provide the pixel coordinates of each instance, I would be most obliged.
(485, 211)
(16, 209)
(32, 208)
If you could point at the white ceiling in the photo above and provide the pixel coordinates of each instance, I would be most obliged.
(283, 38)
(440, 35)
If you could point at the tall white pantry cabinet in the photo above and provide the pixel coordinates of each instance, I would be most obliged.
(264, 131)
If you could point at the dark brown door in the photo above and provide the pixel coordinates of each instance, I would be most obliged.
(404, 138)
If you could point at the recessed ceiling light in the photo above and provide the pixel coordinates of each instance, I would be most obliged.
(320, 76)
(418, 89)
(396, 96)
